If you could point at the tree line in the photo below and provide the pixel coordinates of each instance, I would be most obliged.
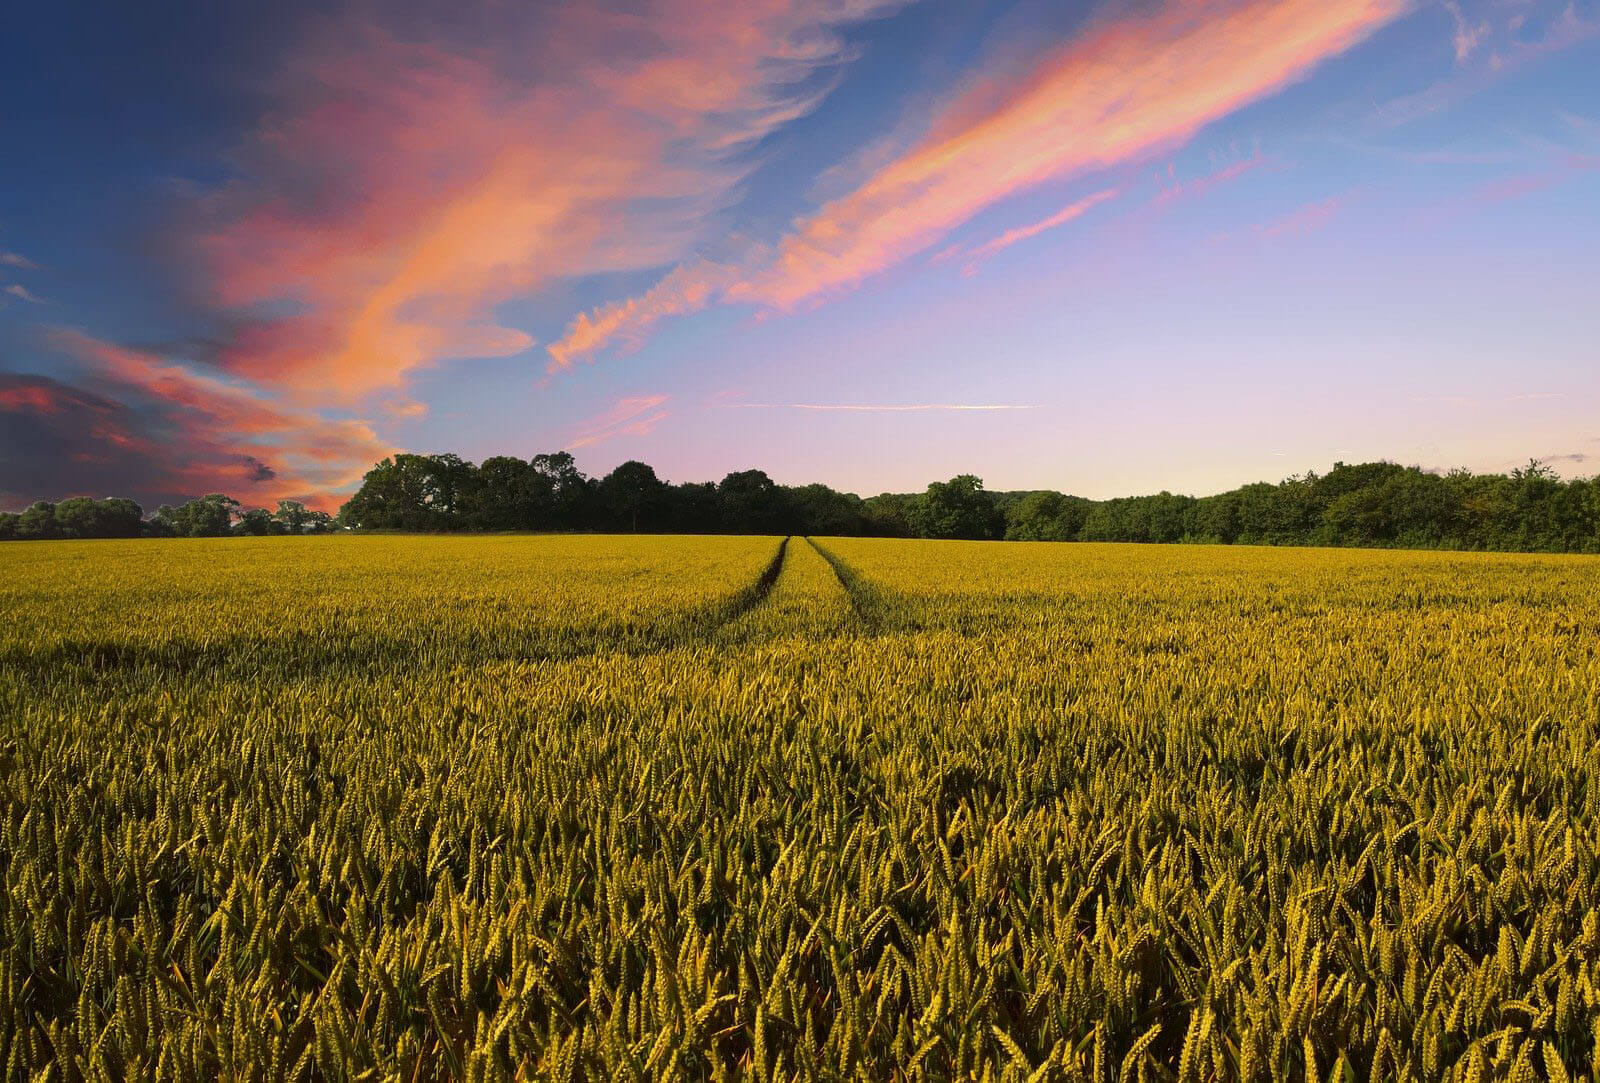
(1370, 504)
(211, 516)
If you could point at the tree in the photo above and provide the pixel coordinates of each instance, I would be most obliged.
(85, 517)
(451, 482)
(508, 496)
(162, 524)
(408, 492)
(293, 516)
(569, 492)
(958, 508)
(121, 517)
(38, 522)
(820, 510)
(210, 516)
(1046, 516)
(692, 508)
(632, 492)
(889, 515)
(1215, 519)
(257, 522)
(750, 503)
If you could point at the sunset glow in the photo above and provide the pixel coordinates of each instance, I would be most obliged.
(1182, 244)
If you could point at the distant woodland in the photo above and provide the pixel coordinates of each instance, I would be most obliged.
(1377, 504)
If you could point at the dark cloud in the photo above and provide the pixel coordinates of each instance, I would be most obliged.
(259, 471)
(58, 440)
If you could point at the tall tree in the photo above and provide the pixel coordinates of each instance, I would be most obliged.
(569, 492)
(633, 494)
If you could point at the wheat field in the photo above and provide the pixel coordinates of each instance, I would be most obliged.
(760, 808)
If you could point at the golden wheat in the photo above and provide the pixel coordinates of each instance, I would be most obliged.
(715, 808)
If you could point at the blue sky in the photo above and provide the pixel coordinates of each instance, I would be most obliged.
(1107, 248)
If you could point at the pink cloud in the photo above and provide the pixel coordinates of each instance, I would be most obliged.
(21, 395)
(1023, 233)
(206, 433)
(1178, 190)
(401, 191)
(634, 416)
(1132, 86)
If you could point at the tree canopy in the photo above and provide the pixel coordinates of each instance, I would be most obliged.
(1377, 504)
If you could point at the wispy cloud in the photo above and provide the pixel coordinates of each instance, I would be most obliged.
(877, 408)
(1468, 34)
(1305, 219)
(977, 255)
(402, 187)
(1128, 88)
(1174, 189)
(688, 288)
(21, 262)
(633, 416)
(22, 293)
(1485, 51)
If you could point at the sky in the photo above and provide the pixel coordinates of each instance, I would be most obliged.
(1108, 248)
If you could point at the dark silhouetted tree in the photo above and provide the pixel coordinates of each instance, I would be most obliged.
(819, 510)
(257, 522)
(751, 504)
(567, 493)
(632, 494)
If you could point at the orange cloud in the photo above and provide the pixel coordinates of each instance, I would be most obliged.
(634, 416)
(402, 191)
(1023, 233)
(206, 434)
(1130, 87)
(1126, 90)
(406, 409)
(688, 288)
